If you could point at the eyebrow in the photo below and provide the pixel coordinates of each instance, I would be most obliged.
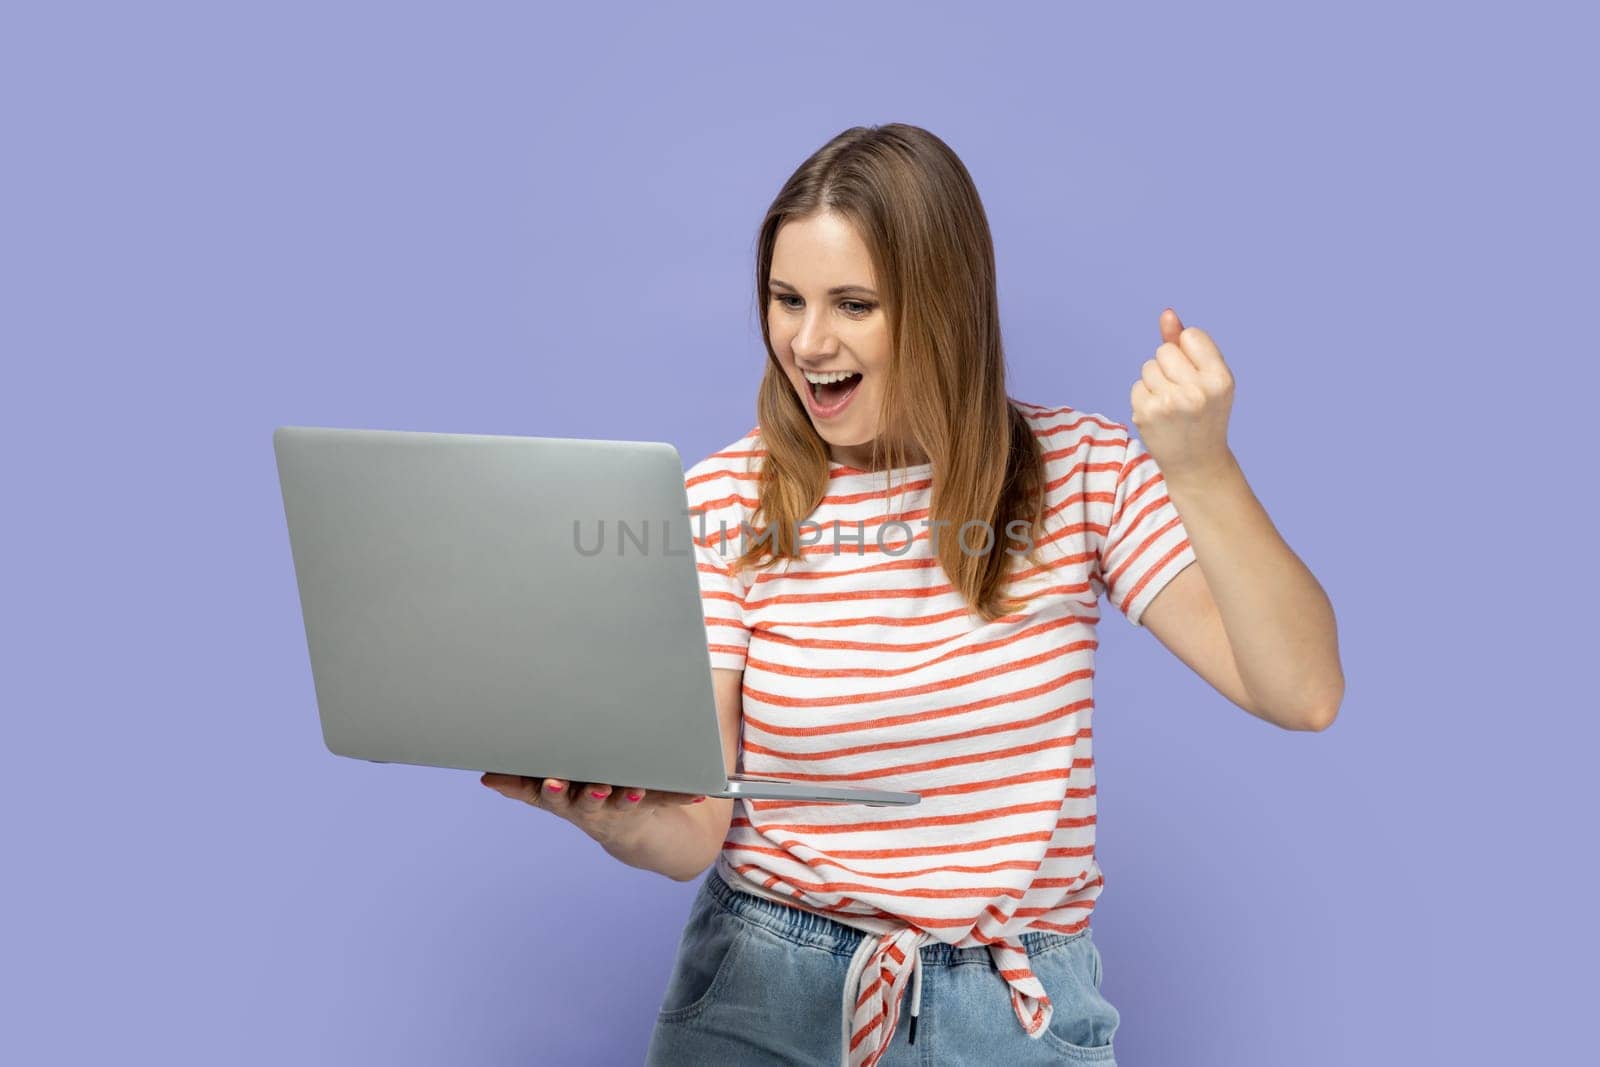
(835, 291)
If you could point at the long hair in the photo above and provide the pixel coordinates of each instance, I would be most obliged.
(917, 210)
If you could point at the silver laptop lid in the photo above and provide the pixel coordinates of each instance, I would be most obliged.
(449, 584)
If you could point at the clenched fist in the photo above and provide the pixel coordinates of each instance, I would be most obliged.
(1182, 400)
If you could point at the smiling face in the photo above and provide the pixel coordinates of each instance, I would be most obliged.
(825, 316)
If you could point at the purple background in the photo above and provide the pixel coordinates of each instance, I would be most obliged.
(509, 219)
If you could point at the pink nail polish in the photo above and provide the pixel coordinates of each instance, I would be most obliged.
(635, 796)
(553, 787)
(698, 800)
(598, 796)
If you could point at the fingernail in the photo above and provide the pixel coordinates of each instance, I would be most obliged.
(635, 796)
(554, 787)
(598, 796)
(698, 800)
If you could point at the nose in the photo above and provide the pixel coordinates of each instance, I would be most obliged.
(813, 342)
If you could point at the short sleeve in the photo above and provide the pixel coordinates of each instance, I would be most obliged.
(1145, 545)
(722, 596)
(715, 518)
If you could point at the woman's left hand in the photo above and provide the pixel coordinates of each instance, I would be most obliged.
(1182, 401)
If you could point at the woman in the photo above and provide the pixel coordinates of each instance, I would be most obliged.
(901, 568)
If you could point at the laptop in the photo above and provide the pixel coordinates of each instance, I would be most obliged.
(521, 605)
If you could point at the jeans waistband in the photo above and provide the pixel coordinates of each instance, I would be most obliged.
(813, 928)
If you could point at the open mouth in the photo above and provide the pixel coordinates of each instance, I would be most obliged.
(833, 395)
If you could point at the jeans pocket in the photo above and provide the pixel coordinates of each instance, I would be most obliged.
(710, 943)
(1082, 1021)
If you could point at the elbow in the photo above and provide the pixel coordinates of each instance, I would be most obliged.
(1321, 721)
(1301, 717)
(1326, 711)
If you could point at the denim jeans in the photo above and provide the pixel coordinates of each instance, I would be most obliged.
(757, 982)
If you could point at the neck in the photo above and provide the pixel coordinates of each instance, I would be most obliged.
(860, 458)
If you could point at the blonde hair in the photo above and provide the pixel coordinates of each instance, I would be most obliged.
(916, 208)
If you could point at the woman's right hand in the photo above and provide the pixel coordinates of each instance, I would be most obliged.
(603, 812)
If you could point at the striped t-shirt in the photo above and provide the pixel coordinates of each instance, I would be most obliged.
(863, 666)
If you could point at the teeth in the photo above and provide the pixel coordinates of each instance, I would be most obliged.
(824, 379)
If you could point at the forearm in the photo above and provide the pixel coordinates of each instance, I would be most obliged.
(1279, 621)
(677, 840)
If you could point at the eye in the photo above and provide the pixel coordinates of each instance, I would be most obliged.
(862, 306)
